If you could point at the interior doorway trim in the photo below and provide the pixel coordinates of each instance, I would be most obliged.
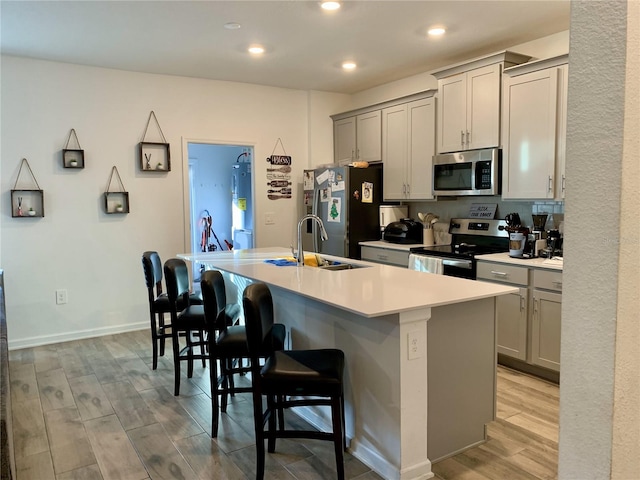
(186, 193)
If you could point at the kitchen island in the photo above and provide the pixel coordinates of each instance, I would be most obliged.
(420, 351)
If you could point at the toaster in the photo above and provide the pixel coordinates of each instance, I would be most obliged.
(406, 230)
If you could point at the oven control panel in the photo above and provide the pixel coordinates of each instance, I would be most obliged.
(471, 226)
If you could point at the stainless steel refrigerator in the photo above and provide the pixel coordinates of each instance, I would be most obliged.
(347, 200)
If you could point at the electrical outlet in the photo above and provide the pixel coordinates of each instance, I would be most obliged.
(414, 345)
(61, 296)
(269, 218)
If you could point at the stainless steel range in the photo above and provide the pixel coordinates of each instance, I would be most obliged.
(469, 237)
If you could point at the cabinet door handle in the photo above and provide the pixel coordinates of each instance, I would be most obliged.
(382, 257)
(499, 274)
(535, 305)
(563, 179)
(550, 186)
(357, 153)
(408, 189)
(462, 137)
(353, 154)
(521, 303)
(558, 285)
(468, 138)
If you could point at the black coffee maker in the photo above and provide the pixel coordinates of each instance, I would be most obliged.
(554, 242)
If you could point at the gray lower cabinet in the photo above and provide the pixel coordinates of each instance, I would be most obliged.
(386, 256)
(528, 322)
(512, 310)
(546, 325)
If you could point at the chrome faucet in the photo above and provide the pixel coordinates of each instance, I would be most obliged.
(323, 235)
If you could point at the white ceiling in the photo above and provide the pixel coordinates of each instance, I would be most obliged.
(305, 45)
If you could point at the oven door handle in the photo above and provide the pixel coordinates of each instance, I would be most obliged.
(466, 264)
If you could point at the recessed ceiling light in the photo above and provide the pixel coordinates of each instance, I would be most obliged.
(232, 26)
(330, 5)
(256, 49)
(349, 65)
(436, 31)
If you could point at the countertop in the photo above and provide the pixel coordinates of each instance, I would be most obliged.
(371, 291)
(392, 246)
(551, 264)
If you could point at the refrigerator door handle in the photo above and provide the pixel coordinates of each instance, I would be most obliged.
(315, 210)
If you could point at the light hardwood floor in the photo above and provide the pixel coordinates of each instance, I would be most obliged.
(94, 409)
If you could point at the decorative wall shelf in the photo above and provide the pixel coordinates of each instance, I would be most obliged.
(154, 156)
(73, 158)
(116, 202)
(27, 202)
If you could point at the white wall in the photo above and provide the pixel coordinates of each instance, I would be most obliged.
(96, 257)
(601, 276)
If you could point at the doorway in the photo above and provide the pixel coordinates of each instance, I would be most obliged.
(221, 200)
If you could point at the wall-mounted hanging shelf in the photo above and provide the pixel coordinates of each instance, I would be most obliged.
(154, 156)
(72, 157)
(116, 202)
(27, 202)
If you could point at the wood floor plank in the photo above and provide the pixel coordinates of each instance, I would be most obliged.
(54, 389)
(535, 425)
(70, 447)
(29, 432)
(158, 453)
(74, 362)
(106, 369)
(168, 411)
(35, 467)
(245, 458)
(46, 358)
(92, 472)
(491, 465)
(451, 469)
(90, 398)
(139, 374)
(24, 385)
(117, 346)
(207, 459)
(114, 452)
(131, 409)
(545, 468)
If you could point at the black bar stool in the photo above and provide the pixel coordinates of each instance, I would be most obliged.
(187, 320)
(290, 378)
(158, 303)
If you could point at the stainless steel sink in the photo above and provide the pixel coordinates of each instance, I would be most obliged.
(330, 265)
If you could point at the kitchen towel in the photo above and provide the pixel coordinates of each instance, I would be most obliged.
(426, 264)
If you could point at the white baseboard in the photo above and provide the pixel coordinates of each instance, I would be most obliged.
(77, 335)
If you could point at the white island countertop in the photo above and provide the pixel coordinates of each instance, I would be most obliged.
(371, 291)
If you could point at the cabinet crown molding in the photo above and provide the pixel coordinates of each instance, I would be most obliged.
(535, 65)
(507, 57)
(388, 103)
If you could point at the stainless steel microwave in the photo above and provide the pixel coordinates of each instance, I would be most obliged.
(473, 172)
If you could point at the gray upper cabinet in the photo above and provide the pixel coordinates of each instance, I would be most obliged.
(469, 99)
(357, 138)
(534, 130)
(408, 146)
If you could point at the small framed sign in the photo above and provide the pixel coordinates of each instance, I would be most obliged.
(483, 210)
